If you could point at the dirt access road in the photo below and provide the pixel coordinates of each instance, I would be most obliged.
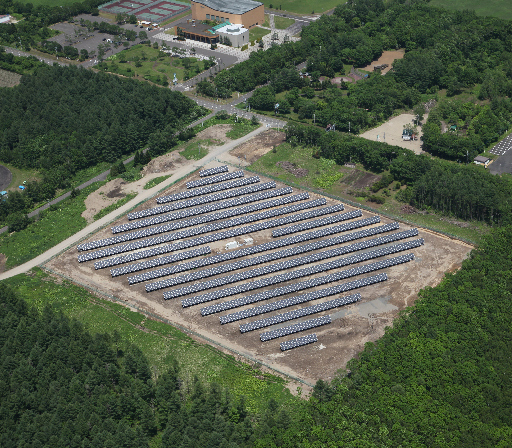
(182, 171)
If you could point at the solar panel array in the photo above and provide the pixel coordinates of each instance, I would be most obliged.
(209, 228)
(174, 258)
(254, 188)
(236, 202)
(298, 342)
(267, 258)
(215, 179)
(231, 223)
(241, 252)
(215, 283)
(295, 314)
(212, 171)
(205, 190)
(288, 289)
(295, 328)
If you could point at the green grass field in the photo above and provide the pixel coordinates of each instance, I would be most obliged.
(302, 7)
(153, 182)
(160, 342)
(114, 206)
(495, 8)
(281, 23)
(20, 175)
(257, 32)
(56, 224)
(195, 150)
(147, 63)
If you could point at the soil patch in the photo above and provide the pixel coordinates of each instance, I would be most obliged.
(409, 209)
(217, 132)
(388, 57)
(108, 194)
(258, 146)
(163, 164)
(391, 132)
(291, 168)
(360, 179)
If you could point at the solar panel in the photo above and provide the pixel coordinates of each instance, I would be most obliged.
(207, 190)
(212, 171)
(246, 275)
(278, 255)
(214, 179)
(298, 342)
(290, 315)
(201, 200)
(295, 328)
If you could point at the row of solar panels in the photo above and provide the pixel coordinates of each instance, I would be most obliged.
(200, 201)
(237, 232)
(298, 342)
(292, 288)
(295, 328)
(176, 225)
(204, 190)
(290, 315)
(200, 220)
(266, 224)
(214, 180)
(235, 202)
(290, 301)
(212, 171)
(245, 251)
(267, 258)
(287, 264)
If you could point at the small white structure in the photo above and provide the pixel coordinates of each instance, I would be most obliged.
(5, 18)
(248, 241)
(481, 160)
(231, 245)
(237, 34)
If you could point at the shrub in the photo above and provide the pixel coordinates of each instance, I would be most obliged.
(376, 199)
(17, 221)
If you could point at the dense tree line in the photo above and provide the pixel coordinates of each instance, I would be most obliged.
(61, 386)
(62, 120)
(466, 191)
(17, 64)
(441, 376)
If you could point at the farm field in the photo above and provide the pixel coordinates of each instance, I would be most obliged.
(496, 8)
(352, 326)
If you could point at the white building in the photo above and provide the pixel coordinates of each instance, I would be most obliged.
(237, 34)
(5, 18)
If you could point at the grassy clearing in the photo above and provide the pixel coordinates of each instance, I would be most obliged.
(328, 177)
(56, 224)
(495, 8)
(153, 182)
(114, 206)
(20, 175)
(50, 2)
(160, 342)
(147, 63)
(281, 23)
(240, 129)
(257, 32)
(195, 150)
(303, 7)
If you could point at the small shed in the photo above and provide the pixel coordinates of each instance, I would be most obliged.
(482, 160)
(231, 245)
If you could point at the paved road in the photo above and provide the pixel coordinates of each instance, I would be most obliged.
(5, 178)
(141, 197)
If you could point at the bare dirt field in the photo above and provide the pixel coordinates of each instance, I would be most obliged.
(253, 149)
(388, 57)
(9, 79)
(391, 132)
(338, 342)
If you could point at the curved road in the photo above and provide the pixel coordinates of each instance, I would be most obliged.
(146, 194)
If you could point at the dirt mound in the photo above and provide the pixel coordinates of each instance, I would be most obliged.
(110, 193)
(164, 163)
(291, 168)
(409, 209)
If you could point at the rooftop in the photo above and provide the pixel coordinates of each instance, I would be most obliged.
(482, 159)
(230, 6)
